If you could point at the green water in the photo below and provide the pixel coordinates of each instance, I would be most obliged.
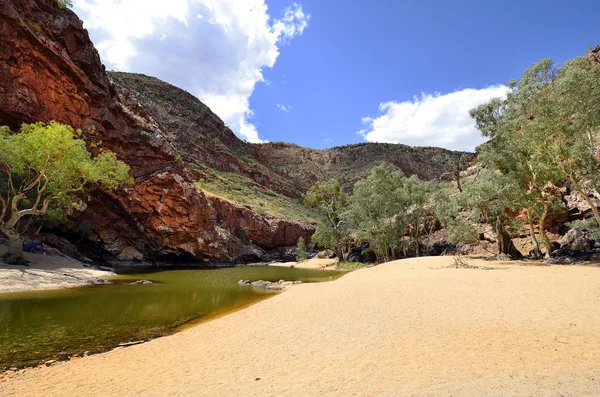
(37, 326)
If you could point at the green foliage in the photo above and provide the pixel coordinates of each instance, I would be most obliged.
(347, 266)
(300, 250)
(386, 207)
(447, 210)
(243, 233)
(36, 28)
(64, 3)
(544, 132)
(56, 153)
(588, 224)
(332, 229)
(375, 204)
(242, 190)
(43, 165)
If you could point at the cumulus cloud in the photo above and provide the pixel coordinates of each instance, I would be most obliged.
(431, 120)
(284, 108)
(215, 49)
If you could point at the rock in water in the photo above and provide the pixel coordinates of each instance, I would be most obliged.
(141, 282)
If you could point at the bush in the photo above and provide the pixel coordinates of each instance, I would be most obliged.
(301, 250)
(590, 225)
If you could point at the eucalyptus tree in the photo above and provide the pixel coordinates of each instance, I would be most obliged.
(517, 146)
(41, 167)
(446, 206)
(491, 196)
(418, 214)
(569, 113)
(332, 229)
(378, 211)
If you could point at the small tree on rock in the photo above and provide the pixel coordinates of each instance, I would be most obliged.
(41, 168)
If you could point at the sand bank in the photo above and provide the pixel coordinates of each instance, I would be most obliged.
(314, 263)
(46, 272)
(405, 328)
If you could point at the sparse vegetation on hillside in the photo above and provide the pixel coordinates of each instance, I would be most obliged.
(242, 190)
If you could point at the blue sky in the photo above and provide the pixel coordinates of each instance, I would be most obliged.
(318, 72)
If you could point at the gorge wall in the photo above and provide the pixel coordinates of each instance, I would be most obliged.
(50, 70)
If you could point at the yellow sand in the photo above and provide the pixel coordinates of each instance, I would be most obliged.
(313, 263)
(406, 328)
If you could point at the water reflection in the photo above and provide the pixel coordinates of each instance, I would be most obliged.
(36, 326)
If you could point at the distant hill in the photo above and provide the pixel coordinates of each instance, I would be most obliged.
(206, 144)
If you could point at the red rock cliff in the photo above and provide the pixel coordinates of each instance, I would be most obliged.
(50, 70)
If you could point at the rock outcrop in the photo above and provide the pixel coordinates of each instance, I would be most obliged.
(50, 70)
(576, 239)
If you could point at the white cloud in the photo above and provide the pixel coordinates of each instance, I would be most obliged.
(215, 49)
(284, 108)
(431, 120)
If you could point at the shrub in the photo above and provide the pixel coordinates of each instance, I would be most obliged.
(301, 250)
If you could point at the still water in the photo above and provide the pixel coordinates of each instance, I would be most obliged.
(41, 325)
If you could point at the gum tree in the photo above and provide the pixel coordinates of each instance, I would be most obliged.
(332, 230)
(517, 148)
(378, 211)
(41, 167)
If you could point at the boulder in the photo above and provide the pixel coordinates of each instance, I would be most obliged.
(141, 282)
(437, 244)
(326, 254)
(576, 239)
(361, 254)
(269, 285)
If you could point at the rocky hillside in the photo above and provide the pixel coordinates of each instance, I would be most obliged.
(205, 144)
(200, 193)
(351, 163)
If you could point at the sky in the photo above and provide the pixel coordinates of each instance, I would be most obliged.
(323, 73)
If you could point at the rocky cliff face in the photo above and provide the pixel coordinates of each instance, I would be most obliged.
(50, 70)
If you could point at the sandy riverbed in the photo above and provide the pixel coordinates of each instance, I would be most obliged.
(46, 272)
(411, 327)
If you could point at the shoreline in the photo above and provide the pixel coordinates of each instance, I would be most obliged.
(415, 326)
(313, 263)
(50, 272)
(47, 272)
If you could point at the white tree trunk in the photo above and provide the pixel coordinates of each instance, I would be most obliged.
(15, 247)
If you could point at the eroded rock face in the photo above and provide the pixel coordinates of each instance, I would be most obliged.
(50, 70)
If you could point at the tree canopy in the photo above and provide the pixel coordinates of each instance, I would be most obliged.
(42, 166)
